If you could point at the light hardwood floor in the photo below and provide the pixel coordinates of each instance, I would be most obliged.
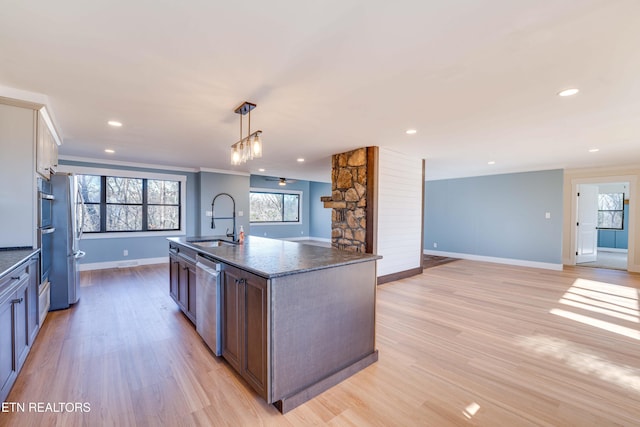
(465, 343)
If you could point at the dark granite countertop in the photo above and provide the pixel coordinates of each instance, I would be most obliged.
(10, 258)
(271, 258)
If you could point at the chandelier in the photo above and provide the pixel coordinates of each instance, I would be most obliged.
(249, 147)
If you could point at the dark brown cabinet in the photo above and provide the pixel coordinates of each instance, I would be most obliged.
(182, 280)
(244, 302)
(174, 276)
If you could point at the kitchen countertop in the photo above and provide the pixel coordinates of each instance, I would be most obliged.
(10, 258)
(271, 258)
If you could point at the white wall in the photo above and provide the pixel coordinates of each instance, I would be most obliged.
(399, 200)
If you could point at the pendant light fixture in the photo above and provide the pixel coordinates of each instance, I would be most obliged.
(249, 147)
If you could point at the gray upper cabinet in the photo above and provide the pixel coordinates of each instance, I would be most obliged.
(28, 145)
(17, 176)
(46, 146)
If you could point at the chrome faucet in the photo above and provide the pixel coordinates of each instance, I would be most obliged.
(213, 215)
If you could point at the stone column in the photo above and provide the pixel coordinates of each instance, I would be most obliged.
(350, 190)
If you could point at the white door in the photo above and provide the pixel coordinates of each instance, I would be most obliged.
(587, 245)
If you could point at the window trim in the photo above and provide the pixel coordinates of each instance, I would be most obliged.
(612, 210)
(298, 193)
(127, 173)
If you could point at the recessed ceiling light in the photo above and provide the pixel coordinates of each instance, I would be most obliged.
(109, 150)
(568, 92)
(491, 162)
(261, 170)
(114, 123)
(300, 160)
(411, 131)
(594, 150)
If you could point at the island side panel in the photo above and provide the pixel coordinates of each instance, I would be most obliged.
(322, 322)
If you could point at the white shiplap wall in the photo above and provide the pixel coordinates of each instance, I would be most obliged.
(399, 230)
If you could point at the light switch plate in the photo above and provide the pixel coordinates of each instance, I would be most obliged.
(240, 213)
(547, 215)
(209, 213)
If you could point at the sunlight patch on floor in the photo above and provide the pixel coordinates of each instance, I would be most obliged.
(582, 360)
(607, 326)
(471, 410)
(615, 301)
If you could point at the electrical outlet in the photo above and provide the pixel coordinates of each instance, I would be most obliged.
(209, 213)
(240, 213)
(547, 215)
(435, 245)
(125, 252)
(265, 234)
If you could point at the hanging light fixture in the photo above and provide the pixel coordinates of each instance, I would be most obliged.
(249, 147)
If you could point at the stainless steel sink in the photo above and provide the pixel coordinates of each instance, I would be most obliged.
(212, 243)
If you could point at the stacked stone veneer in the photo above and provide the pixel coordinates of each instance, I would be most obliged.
(349, 201)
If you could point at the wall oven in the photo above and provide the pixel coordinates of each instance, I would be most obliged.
(45, 243)
(45, 205)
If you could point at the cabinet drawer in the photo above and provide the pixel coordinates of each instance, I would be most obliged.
(8, 283)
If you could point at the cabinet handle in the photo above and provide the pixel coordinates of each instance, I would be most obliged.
(15, 277)
(241, 281)
(17, 301)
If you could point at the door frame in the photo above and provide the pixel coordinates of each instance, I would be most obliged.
(584, 189)
(575, 177)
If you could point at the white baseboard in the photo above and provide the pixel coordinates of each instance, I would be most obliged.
(613, 250)
(509, 261)
(123, 263)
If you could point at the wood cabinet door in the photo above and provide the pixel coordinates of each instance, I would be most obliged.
(7, 365)
(21, 314)
(244, 326)
(191, 291)
(174, 277)
(183, 285)
(231, 297)
(254, 367)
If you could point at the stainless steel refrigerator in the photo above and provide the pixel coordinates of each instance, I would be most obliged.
(67, 221)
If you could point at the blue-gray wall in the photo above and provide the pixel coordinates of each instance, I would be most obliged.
(618, 239)
(112, 249)
(212, 184)
(320, 221)
(499, 216)
(283, 230)
(201, 188)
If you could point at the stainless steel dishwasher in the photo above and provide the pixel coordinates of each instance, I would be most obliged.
(208, 322)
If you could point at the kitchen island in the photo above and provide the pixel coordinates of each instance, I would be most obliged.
(296, 319)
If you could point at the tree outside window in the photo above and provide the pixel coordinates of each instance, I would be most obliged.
(611, 211)
(274, 207)
(120, 204)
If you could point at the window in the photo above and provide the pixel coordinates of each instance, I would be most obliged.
(274, 206)
(121, 204)
(611, 211)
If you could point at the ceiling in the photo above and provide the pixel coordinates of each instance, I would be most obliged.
(477, 79)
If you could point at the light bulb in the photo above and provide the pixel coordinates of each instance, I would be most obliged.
(235, 156)
(257, 146)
